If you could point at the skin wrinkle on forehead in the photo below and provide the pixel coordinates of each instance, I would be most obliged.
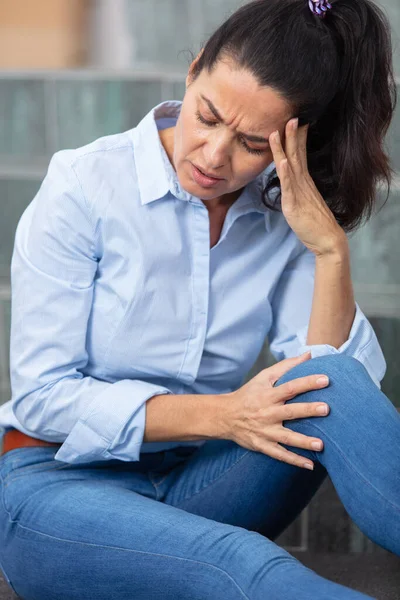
(250, 137)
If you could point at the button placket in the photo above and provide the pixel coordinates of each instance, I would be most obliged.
(200, 291)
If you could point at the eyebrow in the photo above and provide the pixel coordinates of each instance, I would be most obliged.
(251, 138)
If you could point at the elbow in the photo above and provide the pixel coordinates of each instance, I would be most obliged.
(32, 410)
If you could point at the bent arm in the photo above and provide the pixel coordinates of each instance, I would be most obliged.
(53, 267)
(292, 333)
(333, 306)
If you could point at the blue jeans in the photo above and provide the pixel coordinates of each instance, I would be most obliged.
(199, 524)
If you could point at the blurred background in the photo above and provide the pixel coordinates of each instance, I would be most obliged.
(75, 70)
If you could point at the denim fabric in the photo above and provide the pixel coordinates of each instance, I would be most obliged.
(199, 523)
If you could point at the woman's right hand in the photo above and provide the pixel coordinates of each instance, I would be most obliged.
(257, 410)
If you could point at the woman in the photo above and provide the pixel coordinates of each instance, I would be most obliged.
(146, 274)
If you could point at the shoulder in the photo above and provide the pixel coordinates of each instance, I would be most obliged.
(96, 172)
(91, 158)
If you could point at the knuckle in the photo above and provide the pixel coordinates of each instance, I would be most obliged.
(289, 388)
(289, 412)
(285, 439)
(254, 442)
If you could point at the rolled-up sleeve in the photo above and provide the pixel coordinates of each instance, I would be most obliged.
(53, 269)
(291, 309)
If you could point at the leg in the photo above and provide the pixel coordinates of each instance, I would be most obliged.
(361, 438)
(71, 532)
(230, 484)
(227, 483)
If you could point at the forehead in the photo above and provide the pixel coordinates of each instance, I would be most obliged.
(239, 98)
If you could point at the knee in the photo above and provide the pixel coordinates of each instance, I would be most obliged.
(340, 368)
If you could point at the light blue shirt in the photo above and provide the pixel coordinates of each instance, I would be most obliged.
(117, 296)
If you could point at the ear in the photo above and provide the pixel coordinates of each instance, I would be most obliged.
(189, 77)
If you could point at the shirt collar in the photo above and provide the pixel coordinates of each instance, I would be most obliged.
(156, 176)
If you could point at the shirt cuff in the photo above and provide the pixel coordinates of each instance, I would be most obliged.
(361, 344)
(113, 425)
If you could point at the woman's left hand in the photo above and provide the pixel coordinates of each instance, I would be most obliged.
(303, 206)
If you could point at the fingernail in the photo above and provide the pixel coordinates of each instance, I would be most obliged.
(322, 380)
(322, 410)
(295, 124)
(316, 445)
(309, 466)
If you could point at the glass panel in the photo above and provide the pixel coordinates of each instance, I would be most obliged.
(392, 9)
(5, 394)
(88, 110)
(179, 89)
(375, 247)
(151, 23)
(138, 98)
(392, 141)
(22, 117)
(388, 334)
(4, 345)
(14, 198)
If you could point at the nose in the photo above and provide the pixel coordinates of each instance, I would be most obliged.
(216, 153)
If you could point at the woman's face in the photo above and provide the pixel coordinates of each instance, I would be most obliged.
(220, 115)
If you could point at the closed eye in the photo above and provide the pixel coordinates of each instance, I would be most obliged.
(201, 119)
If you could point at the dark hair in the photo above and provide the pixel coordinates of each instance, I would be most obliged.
(337, 74)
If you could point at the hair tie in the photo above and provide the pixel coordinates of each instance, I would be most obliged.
(319, 7)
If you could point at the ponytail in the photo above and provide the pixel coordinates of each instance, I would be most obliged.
(337, 73)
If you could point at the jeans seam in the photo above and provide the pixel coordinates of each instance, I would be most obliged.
(3, 500)
(214, 480)
(352, 466)
(110, 547)
(160, 482)
(150, 476)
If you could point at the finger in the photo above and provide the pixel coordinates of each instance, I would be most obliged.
(276, 451)
(286, 436)
(302, 146)
(292, 148)
(301, 410)
(283, 170)
(299, 385)
(283, 366)
(288, 194)
(277, 149)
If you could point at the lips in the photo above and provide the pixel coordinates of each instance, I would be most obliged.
(208, 174)
(204, 181)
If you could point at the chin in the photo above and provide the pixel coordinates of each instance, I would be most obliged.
(196, 190)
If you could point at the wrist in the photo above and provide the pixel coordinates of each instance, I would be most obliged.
(216, 422)
(336, 252)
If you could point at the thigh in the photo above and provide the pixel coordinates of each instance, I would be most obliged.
(73, 533)
(230, 484)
